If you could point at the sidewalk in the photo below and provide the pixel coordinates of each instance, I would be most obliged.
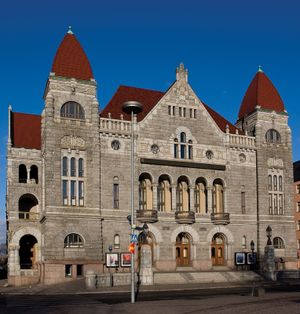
(78, 287)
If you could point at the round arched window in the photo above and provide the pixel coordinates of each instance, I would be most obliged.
(73, 110)
(272, 136)
(73, 240)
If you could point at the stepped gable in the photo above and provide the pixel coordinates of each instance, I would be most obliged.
(149, 98)
(70, 60)
(25, 130)
(261, 92)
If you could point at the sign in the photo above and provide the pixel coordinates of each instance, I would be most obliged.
(133, 237)
(131, 247)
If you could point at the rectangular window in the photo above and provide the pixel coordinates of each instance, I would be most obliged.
(79, 269)
(174, 110)
(73, 167)
(65, 166)
(280, 204)
(65, 192)
(175, 150)
(298, 189)
(169, 110)
(298, 206)
(195, 111)
(68, 270)
(116, 195)
(81, 193)
(191, 113)
(298, 225)
(180, 112)
(184, 112)
(73, 193)
(270, 204)
(243, 202)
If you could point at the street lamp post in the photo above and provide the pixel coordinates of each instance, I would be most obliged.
(132, 108)
(252, 246)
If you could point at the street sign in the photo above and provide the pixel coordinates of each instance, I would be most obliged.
(133, 237)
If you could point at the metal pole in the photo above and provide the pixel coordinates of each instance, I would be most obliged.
(132, 210)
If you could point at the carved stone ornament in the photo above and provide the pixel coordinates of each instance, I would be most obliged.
(73, 142)
(242, 158)
(154, 148)
(275, 163)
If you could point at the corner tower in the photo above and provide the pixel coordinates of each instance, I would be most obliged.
(70, 150)
(263, 115)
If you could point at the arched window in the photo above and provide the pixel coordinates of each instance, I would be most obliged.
(116, 193)
(200, 196)
(22, 174)
(190, 149)
(116, 241)
(65, 166)
(73, 240)
(273, 136)
(278, 243)
(270, 188)
(182, 145)
(275, 182)
(280, 183)
(145, 192)
(218, 196)
(182, 148)
(73, 167)
(164, 194)
(73, 110)
(183, 195)
(244, 242)
(80, 167)
(34, 174)
(28, 207)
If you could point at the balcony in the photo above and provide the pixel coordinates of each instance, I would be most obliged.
(220, 218)
(185, 217)
(28, 215)
(146, 215)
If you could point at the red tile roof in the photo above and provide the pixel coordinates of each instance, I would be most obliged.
(26, 130)
(261, 92)
(71, 61)
(148, 98)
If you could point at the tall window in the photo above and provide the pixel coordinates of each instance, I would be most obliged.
(145, 192)
(73, 110)
(218, 196)
(34, 174)
(164, 194)
(182, 148)
(200, 196)
(243, 202)
(182, 195)
(116, 241)
(273, 136)
(73, 181)
(116, 195)
(22, 174)
(275, 193)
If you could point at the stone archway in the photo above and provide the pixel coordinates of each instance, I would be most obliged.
(28, 252)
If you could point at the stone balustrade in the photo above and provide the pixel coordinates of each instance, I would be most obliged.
(108, 125)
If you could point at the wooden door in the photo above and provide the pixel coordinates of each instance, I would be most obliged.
(218, 251)
(182, 250)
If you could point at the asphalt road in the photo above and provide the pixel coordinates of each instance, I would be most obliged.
(236, 300)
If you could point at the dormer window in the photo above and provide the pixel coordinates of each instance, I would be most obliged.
(73, 110)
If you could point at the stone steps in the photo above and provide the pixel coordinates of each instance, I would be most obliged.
(187, 277)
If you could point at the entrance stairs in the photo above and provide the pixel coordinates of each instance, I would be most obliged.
(188, 277)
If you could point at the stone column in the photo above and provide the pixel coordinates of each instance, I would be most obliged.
(146, 272)
(192, 196)
(174, 187)
(269, 262)
(154, 198)
(13, 260)
(209, 200)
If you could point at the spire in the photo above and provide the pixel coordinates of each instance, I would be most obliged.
(181, 73)
(260, 68)
(70, 30)
(70, 59)
(261, 93)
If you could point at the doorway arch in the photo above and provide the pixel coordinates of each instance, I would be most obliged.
(28, 251)
(218, 250)
(183, 249)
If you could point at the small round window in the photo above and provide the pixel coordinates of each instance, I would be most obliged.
(209, 154)
(115, 144)
(154, 149)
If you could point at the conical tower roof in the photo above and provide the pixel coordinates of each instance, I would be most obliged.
(70, 59)
(261, 92)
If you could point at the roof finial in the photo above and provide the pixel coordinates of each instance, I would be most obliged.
(70, 30)
(260, 68)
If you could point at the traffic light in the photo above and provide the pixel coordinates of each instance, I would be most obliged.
(131, 247)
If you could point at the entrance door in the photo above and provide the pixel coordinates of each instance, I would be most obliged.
(182, 250)
(218, 250)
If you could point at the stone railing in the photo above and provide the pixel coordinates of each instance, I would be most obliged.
(185, 217)
(28, 215)
(220, 218)
(114, 126)
(146, 216)
(241, 141)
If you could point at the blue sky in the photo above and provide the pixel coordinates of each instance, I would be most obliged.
(140, 43)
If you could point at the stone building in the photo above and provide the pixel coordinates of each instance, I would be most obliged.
(204, 186)
(297, 204)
